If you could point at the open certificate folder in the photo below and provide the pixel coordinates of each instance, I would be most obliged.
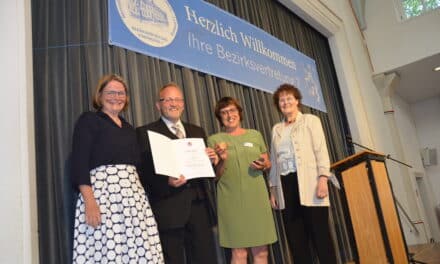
(175, 157)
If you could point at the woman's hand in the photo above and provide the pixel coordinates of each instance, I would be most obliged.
(222, 150)
(273, 199)
(212, 155)
(262, 163)
(322, 187)
(92, 211)
(93, 214)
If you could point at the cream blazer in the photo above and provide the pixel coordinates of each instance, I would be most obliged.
(311, 156)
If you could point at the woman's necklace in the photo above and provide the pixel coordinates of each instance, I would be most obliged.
(292, 120)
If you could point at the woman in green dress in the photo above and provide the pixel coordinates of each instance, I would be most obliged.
(244, 214)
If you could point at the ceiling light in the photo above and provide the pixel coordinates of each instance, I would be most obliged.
(437, 68)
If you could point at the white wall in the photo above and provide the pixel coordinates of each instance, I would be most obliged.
(427, 120)
(377, 131)
(393, 43)
(407, 126)
(421, 183)
(18, 224)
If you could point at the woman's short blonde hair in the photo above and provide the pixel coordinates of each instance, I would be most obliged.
(102, 83)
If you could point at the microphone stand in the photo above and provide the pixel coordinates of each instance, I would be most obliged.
(386, 156)
(411, 255)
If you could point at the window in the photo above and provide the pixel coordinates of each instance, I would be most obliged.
(413, 8)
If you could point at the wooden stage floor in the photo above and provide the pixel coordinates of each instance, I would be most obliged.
(427, 253)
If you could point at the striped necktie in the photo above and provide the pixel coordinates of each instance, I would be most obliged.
(178, 132)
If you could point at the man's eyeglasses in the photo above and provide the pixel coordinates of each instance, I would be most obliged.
(169, 100)
(115, 93)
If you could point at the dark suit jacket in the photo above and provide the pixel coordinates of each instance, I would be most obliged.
(171, 206)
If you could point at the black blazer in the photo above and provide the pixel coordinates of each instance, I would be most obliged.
(171, 206)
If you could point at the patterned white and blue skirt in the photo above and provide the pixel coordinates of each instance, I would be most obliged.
(128, 231)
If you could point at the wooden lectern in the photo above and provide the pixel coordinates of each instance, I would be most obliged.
(370, 210)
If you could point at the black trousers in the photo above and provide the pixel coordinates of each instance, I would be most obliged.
(193, 243)
(306, 225)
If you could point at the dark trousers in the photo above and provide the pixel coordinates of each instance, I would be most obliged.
(193, 243)
(306, 225)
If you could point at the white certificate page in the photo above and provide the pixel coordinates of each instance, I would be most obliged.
(175, 157)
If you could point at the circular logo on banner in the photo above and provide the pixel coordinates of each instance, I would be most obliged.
(151, 21)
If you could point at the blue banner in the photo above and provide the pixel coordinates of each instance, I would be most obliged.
(198, 35)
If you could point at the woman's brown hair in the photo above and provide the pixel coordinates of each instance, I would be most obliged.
(286, 89)
(224, 102)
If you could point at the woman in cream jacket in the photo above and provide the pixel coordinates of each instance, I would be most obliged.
(298, 178)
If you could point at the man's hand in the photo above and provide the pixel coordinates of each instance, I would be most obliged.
(176, 182)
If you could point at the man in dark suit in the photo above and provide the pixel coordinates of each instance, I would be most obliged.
(183, 208)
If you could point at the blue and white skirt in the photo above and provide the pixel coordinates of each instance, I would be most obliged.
(128, 231)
